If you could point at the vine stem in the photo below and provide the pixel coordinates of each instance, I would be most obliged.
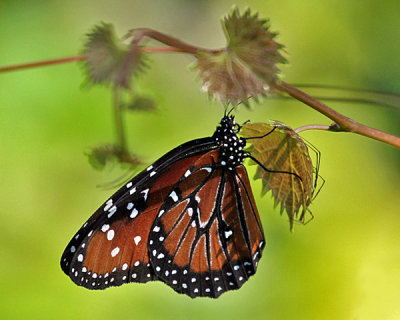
(81, 57)
(313, 127)
(41, 63)
(343, 123)
(166, 39)
(174, 45)
(119, 125)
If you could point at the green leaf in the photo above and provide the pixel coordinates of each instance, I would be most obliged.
(109, 60)
(247, 67)
(282, 150)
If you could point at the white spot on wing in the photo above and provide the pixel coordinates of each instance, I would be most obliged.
(145, 192)
(129, 184)
(134, 213)
(80, 257)
(137, 239)
(174, 196)
(129, 206)
(228, 234)
(155, 229)
(132, 191)
(110, 234)
(112, 211)
(73, 249)
(114, 252)
(109, 204)
(105, 227)
(187, 173)
(152, 173)
(149, 168)
(124, 266)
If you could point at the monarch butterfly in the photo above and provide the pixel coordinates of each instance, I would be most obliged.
(189, 220)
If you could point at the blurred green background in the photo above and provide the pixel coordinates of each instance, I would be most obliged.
(345, 264)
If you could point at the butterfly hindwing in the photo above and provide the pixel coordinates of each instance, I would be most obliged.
(207, 238)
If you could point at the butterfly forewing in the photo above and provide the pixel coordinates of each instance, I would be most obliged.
(112, 246)
(208, 238)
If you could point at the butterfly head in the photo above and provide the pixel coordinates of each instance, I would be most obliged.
(230, 145)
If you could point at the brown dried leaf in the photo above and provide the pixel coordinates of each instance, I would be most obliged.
(282, 150)
(109, 154)
(247, 67)
(140, 103)
(109, 60)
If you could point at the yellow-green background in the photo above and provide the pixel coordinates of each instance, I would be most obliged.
(345, 264)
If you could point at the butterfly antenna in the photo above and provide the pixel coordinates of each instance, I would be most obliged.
(230, 111)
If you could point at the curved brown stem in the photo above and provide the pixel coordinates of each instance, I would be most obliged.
(140, 33)
(342, 123)
(313, 127)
